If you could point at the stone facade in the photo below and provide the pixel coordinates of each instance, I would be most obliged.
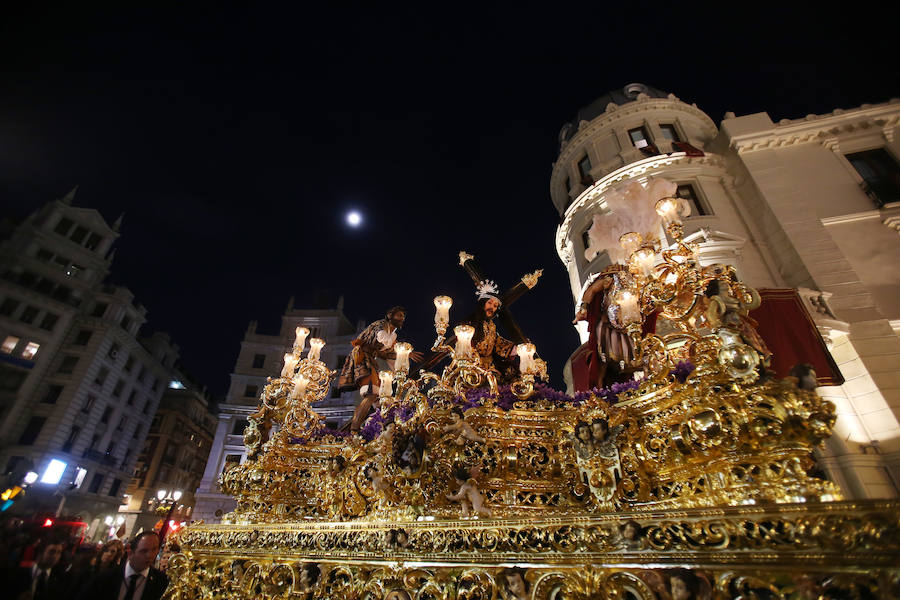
(810, 204)
(79, 384)
(173, 457)
(262, 356)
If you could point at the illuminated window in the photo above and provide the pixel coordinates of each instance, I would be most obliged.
(688, 192)
(54, 472)
(639, 137)
(669, 132)
(9, 344)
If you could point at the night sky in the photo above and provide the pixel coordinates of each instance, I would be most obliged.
(236, 140)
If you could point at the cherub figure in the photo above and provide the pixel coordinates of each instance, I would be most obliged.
(631, 532)
(461, 429)
(515, 586)
(583, 442)
(309, 576)
(468, 496)
(382, 488)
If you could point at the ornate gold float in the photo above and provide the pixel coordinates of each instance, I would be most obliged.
(696, 481)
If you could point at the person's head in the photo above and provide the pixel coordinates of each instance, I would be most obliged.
(456, 414)
(683, 585)
(514, 580)
(401, 538)
(599, 428)
(631, 530)
(370, 471)
(309, 574)
(48, 554)
(583, 431)
(111, 553)
(397, 316)
(144, 548)
(460, 474)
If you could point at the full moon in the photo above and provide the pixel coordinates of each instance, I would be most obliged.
(354, 219)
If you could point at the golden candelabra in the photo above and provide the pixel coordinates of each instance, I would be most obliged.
(693, 483)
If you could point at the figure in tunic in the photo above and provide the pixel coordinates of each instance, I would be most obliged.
(373, 351)
(611, 351)
(729, 304)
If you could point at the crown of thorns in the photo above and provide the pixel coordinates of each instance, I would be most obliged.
(487, 289)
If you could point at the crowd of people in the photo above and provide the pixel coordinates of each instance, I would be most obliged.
(45, 564)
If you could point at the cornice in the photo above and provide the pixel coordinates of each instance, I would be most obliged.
(614, 113)
(593, 196)
(879, 119)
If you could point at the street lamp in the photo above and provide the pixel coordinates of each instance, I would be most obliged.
(168, 500)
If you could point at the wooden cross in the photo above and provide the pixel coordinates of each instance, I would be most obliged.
(467, 261)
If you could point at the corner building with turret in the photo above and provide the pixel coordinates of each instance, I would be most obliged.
(811, 204)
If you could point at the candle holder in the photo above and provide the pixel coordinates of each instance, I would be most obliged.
(642, 261)
(464, 335)
(672, 210)
(630, 242)
(442, 306)
(290, 365)
(315, 349)
(300, 340)
(401, 363)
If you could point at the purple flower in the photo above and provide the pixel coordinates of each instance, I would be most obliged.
(373, 426)
(682, 370)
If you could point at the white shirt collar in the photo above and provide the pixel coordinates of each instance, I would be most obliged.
(129, 571)
(36, 569)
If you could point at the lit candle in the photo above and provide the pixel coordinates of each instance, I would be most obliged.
(300, 383)
(630, 242)
(315, 348)
(300, 340)
(387, 382)
(628, 302)
(643, 260)
(402, 362)
(289, 363)
(442, 306)
(464, 335)
(526, 358)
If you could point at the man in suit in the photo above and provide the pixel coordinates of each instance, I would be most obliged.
(137, 580)
(44, 580)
